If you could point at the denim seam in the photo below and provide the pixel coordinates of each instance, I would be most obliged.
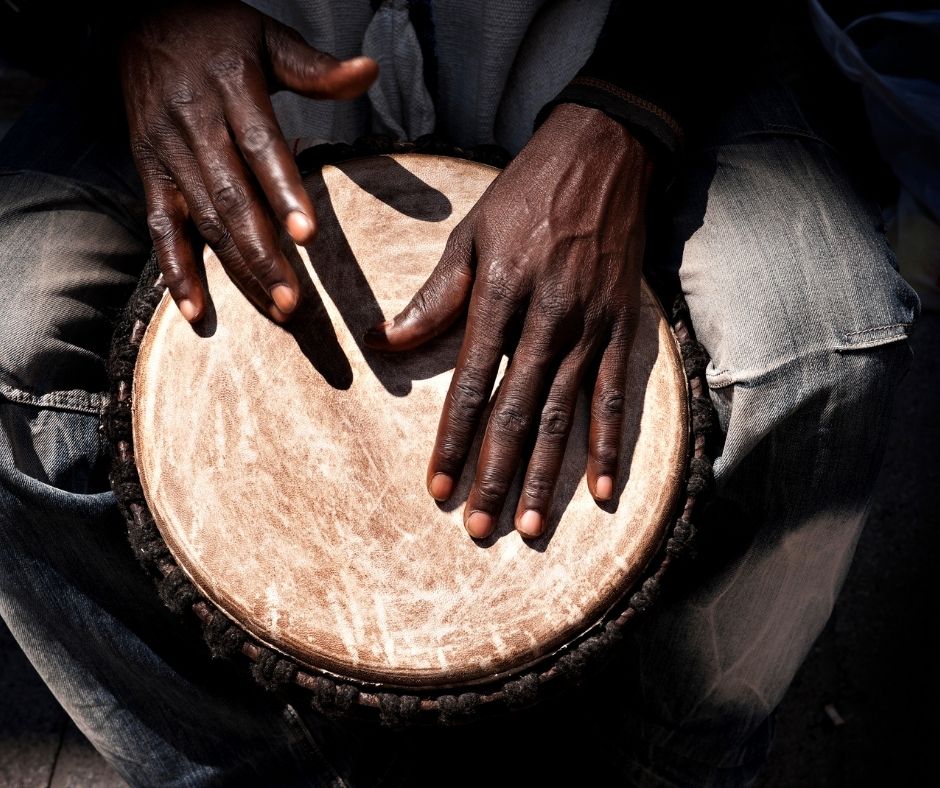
(757, 376)
(75, 400)
(874, 329)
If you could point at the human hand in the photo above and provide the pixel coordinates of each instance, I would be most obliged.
(196, 79)
(557, 240)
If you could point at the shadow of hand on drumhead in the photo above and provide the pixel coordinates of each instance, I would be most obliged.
(341, 273)
(313, 331)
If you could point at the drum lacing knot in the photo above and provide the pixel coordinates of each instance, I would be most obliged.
(455, 709)
(700, 476)
(225, 639)
(703, 415)
(682, 539)
(330, 698)
(694, 358)
(177, 592)
(643, 599)
(574, 664)
(523, 691)
(272, 671)
(398, 711)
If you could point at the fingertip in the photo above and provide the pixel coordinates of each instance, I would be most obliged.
(530, 524)
(188, 309)
(285, 298)
(300, 226)
(354, 76)
(362, 63)
(604, 488)
(479, 525)
(441, 487)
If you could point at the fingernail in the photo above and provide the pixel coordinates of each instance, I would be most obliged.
(441, 487)
(188, 310)
(604, 488)
(284, 298)
(530, 524)
(479, 525)
(299, 226)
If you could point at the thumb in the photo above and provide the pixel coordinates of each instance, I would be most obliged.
(436, 305)
(299, 67)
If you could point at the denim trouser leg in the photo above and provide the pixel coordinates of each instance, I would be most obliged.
(792, 290)
(72, 239)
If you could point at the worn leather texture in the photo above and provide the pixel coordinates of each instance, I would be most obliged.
(285, 466)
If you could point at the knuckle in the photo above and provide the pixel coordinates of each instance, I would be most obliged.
(162, 226)
(141, 149)
(503, 282)
(263, 265)
(226, 67)
(556, 422)
(211, 229)
(538, 487)
(513, 420)
(610, 405)
(173, 273)
(230, 198)
(605, 453)
(468, 397)
(257, 140)
(492, 485)
(180, 101)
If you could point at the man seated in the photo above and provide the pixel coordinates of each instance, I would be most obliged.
(647, 136)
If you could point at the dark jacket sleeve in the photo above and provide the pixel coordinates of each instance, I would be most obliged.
(649, 67)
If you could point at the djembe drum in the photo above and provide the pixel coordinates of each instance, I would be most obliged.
(273, 477)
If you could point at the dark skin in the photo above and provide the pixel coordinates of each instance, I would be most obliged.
(555, 244)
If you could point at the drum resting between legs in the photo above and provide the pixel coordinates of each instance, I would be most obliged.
(789, 282)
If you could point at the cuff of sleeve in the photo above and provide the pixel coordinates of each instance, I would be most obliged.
(649, 122)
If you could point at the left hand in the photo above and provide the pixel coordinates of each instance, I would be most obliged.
(558, 238)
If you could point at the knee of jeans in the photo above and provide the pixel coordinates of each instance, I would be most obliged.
(787, 261)
(68, 262)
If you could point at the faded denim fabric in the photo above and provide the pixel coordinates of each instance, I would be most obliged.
(792, 290)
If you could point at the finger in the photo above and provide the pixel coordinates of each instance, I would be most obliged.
(299, 67)
(510, 424)
(186, 176)
(168, 223)
(242, 213)
(437, 304)
(470, 387)
(261, 142)
(538, 487)
(607, 412)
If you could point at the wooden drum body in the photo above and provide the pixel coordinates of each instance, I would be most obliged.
(273, 477)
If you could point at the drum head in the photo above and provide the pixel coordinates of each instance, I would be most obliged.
(285, 466)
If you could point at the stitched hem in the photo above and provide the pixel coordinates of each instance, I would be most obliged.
(76, 400)
(877, 335)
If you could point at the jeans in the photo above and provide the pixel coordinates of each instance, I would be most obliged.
(793, 292)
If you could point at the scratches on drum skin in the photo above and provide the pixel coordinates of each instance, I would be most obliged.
(322, 494)
(381, 620)
(274, 604)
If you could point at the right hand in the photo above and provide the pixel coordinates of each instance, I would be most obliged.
(197, 80)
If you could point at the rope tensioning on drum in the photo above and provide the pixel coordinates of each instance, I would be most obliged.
(331, 694)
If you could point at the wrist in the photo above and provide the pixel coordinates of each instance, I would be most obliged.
(590, 131)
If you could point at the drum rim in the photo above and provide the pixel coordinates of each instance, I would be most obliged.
(333, 693)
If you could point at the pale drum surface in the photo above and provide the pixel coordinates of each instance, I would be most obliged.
(285, 468)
